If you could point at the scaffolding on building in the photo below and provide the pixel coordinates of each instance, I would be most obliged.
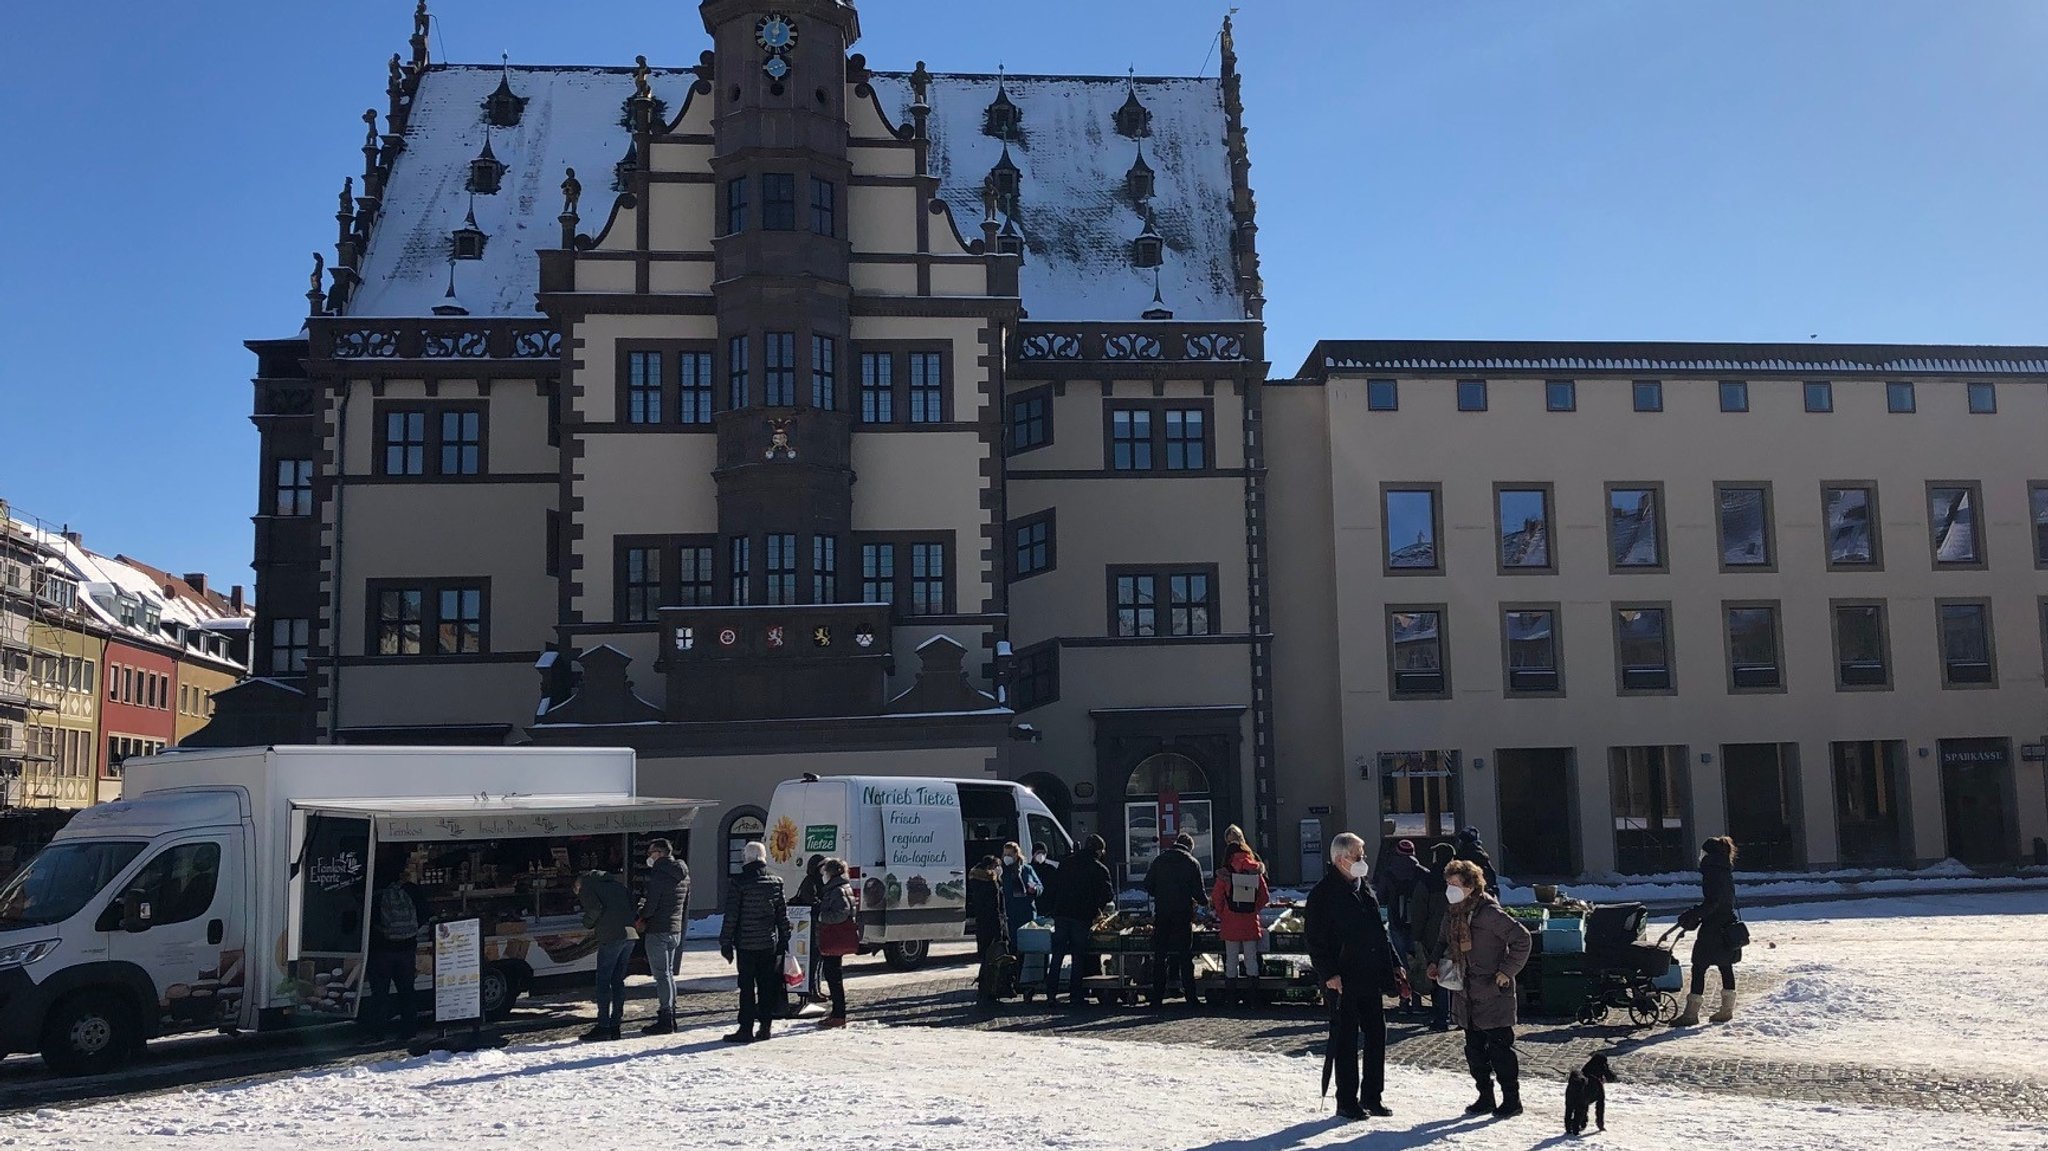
(38, 605)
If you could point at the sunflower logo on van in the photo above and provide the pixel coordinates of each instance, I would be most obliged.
(783, 839)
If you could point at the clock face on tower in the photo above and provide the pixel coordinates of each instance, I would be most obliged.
(776, 33)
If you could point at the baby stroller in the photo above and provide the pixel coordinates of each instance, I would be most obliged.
(1624, 969)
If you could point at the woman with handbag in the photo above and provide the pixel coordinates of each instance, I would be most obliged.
(1484, 949)
(1722, 934)
(838, 936)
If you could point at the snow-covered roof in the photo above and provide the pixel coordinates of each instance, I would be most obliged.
(1720, 358)
(573, 118)
(104, 580)
(1075, 215)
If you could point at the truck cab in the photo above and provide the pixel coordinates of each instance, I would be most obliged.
(130, 924)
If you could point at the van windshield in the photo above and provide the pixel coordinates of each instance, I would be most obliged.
(61, 879)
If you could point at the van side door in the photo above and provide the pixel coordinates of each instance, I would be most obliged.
(182, 919)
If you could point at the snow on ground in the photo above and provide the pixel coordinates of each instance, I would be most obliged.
(911, 1089)
(1947, 875)
(1890, 982)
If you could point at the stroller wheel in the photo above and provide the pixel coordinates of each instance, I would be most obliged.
(1643, 1009)
(1667, 1007)
(1592, 1011)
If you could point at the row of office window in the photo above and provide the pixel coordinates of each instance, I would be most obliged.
(778, 208)
(654, 572)
(1526, 539)
(1140, 436)
(60, 751)
(138, 687)
(675, 385)
(1818, 396)
(1644, 644)
(123, 747)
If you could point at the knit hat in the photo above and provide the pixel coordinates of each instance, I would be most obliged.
(1405, 847)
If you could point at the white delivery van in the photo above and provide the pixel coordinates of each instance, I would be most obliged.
(908, 844)
(231, 889)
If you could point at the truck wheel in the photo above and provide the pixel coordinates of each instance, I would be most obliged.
(89, 1033)
(908, 955)
(499, 989)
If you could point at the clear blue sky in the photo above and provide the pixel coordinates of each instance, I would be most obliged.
(1740, 169)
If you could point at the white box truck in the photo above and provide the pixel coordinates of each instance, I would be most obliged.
(231, 889)
(907, 844)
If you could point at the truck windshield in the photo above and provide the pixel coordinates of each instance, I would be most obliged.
(61, 879)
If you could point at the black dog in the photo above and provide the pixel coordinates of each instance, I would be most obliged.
(1587, 1092)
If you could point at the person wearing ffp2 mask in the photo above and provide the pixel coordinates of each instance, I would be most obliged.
(1348, 946)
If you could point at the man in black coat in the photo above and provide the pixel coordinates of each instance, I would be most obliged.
(665, 909)
(1348, 946)
(1175, 884)
(756, 933)
(1080, 893)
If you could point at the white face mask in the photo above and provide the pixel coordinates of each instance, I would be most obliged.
(1358, 868)
(1009, 861)
(1454, 894)
(653, 859)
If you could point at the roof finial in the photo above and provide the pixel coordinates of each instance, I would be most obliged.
(314, 292)
(505, 66)
(420, 21)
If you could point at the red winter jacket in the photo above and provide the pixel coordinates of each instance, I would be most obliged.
(1239, 926)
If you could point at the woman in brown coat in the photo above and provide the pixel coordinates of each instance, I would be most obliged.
(1490, 949)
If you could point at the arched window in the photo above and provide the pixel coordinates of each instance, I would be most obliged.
(743, 825)
(1167, 794)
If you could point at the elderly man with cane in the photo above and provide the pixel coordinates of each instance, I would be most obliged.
(1348, 945)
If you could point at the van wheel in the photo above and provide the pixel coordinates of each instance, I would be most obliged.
(908, 955)
(90, 1033)
(498, 989)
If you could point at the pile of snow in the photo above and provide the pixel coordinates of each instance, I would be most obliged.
(1891, 982)
(913, 1089)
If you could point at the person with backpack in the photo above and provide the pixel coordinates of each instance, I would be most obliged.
(608, 916)
(1239, 895)
(1174, 881)
(399, 912)
(664, 910)
(838, 936)
(1021, 889)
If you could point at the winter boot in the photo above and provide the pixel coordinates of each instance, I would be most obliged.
(1726, 1011)
(1510, 1101)
(597, 1034)
(761, 1032)
(662, 1025)
(1484, 1105)
(1690, 1017)
(743, 1035)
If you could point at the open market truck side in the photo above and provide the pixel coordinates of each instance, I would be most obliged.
(232, 889)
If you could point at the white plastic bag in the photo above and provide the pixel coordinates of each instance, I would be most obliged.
(792, 971)
(1449, 977)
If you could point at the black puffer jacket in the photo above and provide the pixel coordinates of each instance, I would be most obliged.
(666, 905)
(1716, 914)
(1175, 883)
(1084, 887)
(756, 918)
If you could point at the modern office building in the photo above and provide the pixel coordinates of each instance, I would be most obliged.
(1602, 600)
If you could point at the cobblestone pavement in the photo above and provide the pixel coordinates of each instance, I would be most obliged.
(946, 999)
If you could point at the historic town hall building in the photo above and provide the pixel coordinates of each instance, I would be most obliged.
(779, 406)
(780, 413)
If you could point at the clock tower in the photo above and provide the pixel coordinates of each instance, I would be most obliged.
(782, 251)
